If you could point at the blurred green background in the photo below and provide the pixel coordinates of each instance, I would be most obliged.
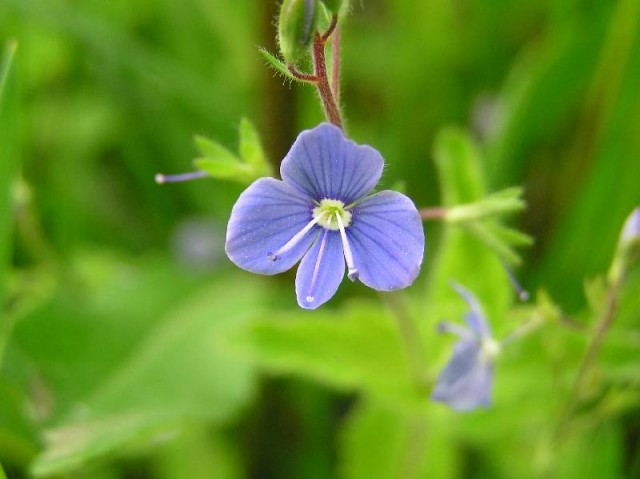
(130, 347)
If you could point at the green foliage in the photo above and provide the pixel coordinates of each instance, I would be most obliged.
(121, 359)
(9, 161)
(220, 163)
(357, 348)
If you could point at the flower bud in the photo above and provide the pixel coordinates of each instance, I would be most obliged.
(628, 249)
(631, 228)
(296, 27)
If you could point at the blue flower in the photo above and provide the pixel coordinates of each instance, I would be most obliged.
(323, 212)
(465, 382)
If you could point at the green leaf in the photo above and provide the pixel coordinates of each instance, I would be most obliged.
(277, 65)
(357, 348)
(462, 256)
(2, 474)
(9, 163)
(225, 170)
(214, 151)
(174, 370)
(251, 150)
(460, 167)
(71, 446)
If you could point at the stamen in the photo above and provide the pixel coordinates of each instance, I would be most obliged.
(316, 268)
(522, 293)
(352, 273)
(296, 238)
(162, 179)
(453, 328)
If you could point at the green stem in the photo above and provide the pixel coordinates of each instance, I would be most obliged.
(603, 326)
(410, 336)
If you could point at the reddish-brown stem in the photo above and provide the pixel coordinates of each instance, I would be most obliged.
(305, 77)
(335, 57)
(324, 88)
(332, 27)
(432, 213)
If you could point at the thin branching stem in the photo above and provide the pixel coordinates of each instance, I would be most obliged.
(590, 355)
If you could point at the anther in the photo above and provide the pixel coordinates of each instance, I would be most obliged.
(522, 293)
(352, 272)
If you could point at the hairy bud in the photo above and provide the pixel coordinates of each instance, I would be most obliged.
(296, 27)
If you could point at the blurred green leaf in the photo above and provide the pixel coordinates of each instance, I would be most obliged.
(176, 371)
(198, 453)
(2, 474)
(222, 164)
(251, 150)
(383, 443)
(9, 161)
(466, 179)
(225, 170)
(214, 151)
(356, 348)
(462, 178)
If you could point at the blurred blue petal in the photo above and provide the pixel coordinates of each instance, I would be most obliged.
(321, 271)
(322, 163)
(475, 318)
(466, 381)
(266, 216)
(387, 240)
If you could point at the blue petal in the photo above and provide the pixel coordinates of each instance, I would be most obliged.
(465, 382)
(266, 216)
(322, 163)
(387, 241)
(320, 271)
(475, 318)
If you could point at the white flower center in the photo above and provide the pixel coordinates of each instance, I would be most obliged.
(331, 215)
(490, 349)
(328, 212)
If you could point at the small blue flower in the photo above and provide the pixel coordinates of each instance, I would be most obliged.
(465, 382)
(323, 212)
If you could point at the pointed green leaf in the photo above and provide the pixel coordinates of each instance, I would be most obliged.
(251, 150)
(277, 65)
(214, 151)
(226, 170)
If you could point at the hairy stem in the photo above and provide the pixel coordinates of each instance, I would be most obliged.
(436, 213)
(324, 88)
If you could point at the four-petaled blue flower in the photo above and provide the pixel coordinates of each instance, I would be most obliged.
(465, 382)
(323, 213)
